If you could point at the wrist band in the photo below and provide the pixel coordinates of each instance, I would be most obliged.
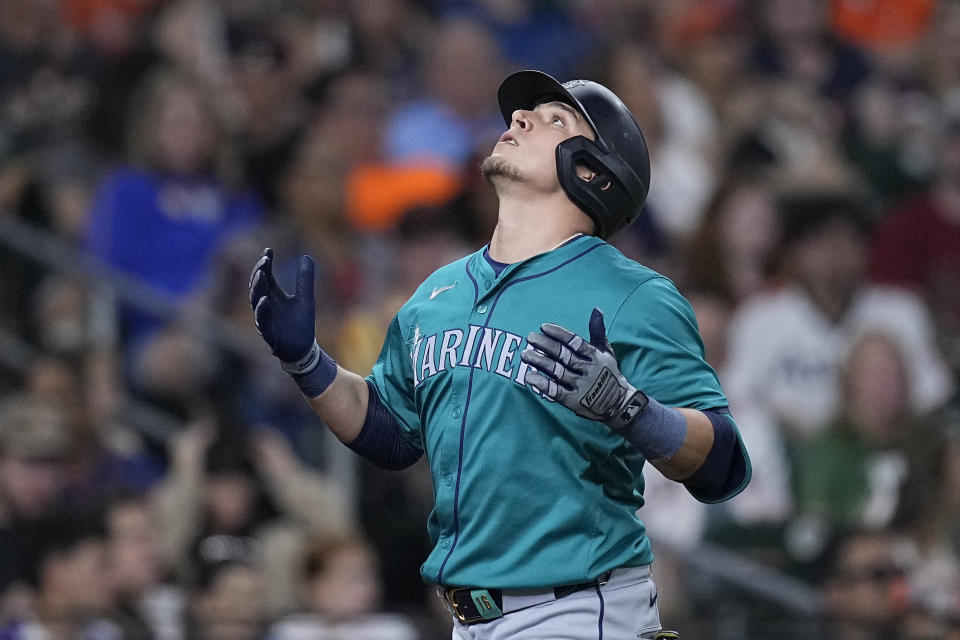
(656, 431)
(306, 364)
(314, 372)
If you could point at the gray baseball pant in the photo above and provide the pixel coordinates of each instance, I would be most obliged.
(625, 608)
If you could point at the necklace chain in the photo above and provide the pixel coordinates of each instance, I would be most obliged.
(565, 241)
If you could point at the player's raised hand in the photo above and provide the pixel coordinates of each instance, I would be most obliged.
(583, 376)
(286, 322)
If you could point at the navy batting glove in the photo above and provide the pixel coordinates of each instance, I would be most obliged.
(287, 324)
(583, 376)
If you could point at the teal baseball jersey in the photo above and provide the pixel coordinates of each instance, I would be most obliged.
(527, 493)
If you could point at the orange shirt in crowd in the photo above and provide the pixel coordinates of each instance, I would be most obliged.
(880, 24)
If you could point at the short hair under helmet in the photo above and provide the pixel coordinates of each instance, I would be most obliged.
(618, 156)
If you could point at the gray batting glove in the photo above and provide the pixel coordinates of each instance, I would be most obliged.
(582, 376)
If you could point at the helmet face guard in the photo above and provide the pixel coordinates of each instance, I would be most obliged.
(618, 156)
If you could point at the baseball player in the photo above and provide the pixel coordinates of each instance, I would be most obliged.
(537, 375)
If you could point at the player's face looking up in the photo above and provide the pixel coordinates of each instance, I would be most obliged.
(526, 152)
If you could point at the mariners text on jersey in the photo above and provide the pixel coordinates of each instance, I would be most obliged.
(493, 350)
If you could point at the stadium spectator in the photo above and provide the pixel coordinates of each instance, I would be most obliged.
(228, 604)
(713, 311)
(231, 494)
(388, 38)
(74, 594)
(47, 83)
(732, 253)
(34, 445)
(272, 110)
(869, 590)
(796, 43)
(786, 345)
(708, 43)
(461, 110)
(149, 607)
(189, 37)
(162, 218)
(940, 64)
(865, 588)
(918, 245)
(48, 94)
(72, 320)
(534, 35)
(60, 322)
(680, 129)
(891, 136)
(884, 26)
(109, 26)
(879, 464)
(341, 593)
(104, 457)
(313, 200)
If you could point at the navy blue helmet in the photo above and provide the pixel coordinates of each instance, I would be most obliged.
(618, 156)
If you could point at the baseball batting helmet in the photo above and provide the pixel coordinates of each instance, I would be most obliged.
(615, 196)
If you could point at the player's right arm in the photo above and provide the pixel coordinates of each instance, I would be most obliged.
(287, 324)
(349, 405)
(343, 406)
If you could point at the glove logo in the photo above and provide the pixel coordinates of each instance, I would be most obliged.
(438, 290)
(590, 397)
(629, 413)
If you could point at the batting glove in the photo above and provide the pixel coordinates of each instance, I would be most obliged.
(287, 324)
(583, 376)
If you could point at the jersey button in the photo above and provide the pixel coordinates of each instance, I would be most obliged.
(482, 308)
(444, 543)
(486, 284)
(457, 412)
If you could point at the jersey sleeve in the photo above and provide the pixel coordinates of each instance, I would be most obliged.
(655, 336)
(393, 380)
(658, 345)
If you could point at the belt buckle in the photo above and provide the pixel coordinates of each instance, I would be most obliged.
(448, 595)
(483, 601)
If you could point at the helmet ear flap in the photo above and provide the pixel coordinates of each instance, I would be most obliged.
(604, 198)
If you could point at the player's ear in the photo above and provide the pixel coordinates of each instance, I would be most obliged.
(584, 172)
(587, 174)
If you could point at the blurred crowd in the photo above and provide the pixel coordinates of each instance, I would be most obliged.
(805, 196)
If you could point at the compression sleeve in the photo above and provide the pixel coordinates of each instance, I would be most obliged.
(381, 440)
(724, 470)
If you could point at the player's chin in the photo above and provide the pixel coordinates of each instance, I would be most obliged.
(496, 166)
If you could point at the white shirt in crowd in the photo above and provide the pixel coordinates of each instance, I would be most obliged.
(782, 373)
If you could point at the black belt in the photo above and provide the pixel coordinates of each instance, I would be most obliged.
(471, 605)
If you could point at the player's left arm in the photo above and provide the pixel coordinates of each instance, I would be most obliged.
(694, 449)
(700, 448)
